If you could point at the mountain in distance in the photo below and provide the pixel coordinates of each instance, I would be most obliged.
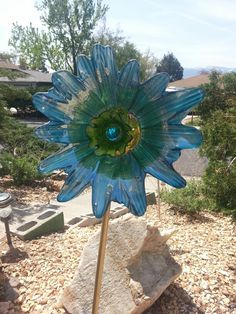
(188, 72)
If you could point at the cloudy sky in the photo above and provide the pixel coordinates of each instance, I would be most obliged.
(199, 33)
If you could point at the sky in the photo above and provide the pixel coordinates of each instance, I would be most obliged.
(200, 33)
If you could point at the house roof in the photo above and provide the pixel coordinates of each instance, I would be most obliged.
(8, 65)
(30, 75)
(194, 81)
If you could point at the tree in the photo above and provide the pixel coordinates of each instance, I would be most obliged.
(124, 51)
(170, 64)
(218, 115)
(69, 26)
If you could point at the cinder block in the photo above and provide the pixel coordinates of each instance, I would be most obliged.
(119, 211)
(48, 222)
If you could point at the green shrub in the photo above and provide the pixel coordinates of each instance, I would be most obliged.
(20, 98)
(218, 116)
(24, 171)
(220, 185)
(6, 161)
(22, 151)
(190, 199)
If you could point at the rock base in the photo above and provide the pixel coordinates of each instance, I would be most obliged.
(138, 268)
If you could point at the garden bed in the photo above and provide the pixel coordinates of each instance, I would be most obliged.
(204, 244)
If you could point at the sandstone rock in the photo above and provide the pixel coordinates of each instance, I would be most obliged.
(138, 268)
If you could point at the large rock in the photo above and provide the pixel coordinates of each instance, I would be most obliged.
(138, 268)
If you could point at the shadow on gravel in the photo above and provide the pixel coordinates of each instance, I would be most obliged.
(191, 217)
(174, 300)
(13, 255)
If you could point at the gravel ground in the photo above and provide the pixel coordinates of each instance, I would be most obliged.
(205, 246)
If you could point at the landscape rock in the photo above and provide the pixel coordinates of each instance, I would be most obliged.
(138, 268)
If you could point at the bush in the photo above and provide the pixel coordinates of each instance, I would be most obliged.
(220, 185)
(21, 152)
(24, 171)
(218, 116)
(189, 199)
(6, 161)
(20, 98)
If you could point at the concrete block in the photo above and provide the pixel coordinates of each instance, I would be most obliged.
(118, 211)
(48, 222)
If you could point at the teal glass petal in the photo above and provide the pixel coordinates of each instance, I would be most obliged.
(116, 130)
(106, 73)
(122, 180)
(149, 91)
(146, 153)
(166, 173)
(167, 106)
(172, 136)
(128, 83)
(77, 181)
(184, 136)
(86, 72)
(101, 194)
(53, 132)
(135, 191)
(52, 108)
(65, 158)
(172, 155)
(67, 84)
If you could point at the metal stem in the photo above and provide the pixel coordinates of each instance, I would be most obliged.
(158, 199)
(9, 242)
(100, 261)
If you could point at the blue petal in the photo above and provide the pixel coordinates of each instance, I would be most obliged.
(185, 136)
(67, 84)
(168, 106)
(128, 83)
(166, 173)
(87, 73)
(106, 73)
(53, 132)
(112, 185)
(77, 181)
(135, 191)
(172, 136)
(101, 194)
(151, 90)
(65, 158)
(172, 156)
(49, 105)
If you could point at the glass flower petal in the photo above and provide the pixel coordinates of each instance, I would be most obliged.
(122, 180)
(128, 83)
(149, 91)
(53, 132)
(76, 182)
(116, 130)
(165, 172)
(65, 158)
(169, 105)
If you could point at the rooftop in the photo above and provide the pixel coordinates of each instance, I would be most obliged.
(194, 81)
(27, 75)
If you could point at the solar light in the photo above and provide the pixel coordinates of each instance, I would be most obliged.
(5, 213)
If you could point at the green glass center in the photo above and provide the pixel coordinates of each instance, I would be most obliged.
(114, 132)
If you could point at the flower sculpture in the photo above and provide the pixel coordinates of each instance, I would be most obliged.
(115, 129)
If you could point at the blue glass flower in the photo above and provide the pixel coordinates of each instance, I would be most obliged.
(116, 129)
